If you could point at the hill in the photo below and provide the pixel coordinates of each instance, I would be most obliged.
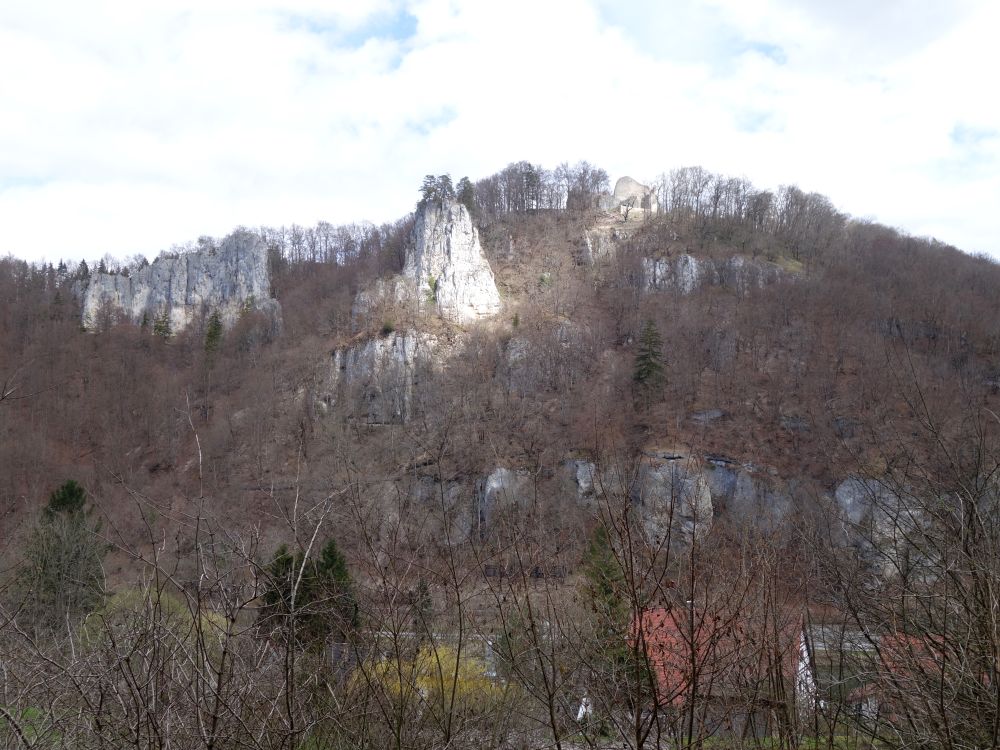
(738, 386)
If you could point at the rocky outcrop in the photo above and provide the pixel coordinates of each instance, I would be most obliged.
(673, 496)
(445, 271)
(746, 496)
(686, 273)
(548, 359)
(695, 490)
(583, 476)
(600, 244)
(883, 523)
(446, 263)
(229, 279)
(375, 380)
(500, 489)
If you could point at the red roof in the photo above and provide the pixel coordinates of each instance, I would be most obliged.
(718, 654)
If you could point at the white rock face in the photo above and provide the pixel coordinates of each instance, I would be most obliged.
(501, 488)
(376, 379)
(686, 273)
(394, 292)
(447, 264)
(600, 244)
(583, 475)
(225, 280)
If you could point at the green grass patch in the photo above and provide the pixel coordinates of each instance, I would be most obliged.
(789, 265)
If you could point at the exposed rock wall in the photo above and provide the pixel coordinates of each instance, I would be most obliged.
(375, 380)
(672, 495)
(883, 523)
(686, 273)
(502, 488)
(447, 264)
(700, 490)
(445, 272)
(226, 280)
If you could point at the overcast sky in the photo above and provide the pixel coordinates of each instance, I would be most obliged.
(130, 126)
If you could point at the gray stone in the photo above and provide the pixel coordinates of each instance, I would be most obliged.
(227, 280)
(382, 294)
(685, 274)
(376, 378)
(500, 489)
(446, 263)
(856, 498)
(582, 475)
(795, 424)
(882, 523)
(673, 497)
(598, 245)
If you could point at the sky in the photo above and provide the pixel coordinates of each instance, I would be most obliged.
(130, 126)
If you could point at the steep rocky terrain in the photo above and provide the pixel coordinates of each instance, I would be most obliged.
(495, 440)
(493, 365)
(179, 289)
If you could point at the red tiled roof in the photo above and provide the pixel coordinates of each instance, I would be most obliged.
(718, 654)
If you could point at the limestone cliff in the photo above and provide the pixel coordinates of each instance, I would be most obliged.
(226, 280)
(445, 272)
(375, 380)
(685, 273)
(447, 264)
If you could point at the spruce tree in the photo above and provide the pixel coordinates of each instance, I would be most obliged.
(428, 190)
(213, 333)
(161, 325)
(63, 577)
(69, 498)
(604, 586)
(466, 194)
(446, 190)
(649, 359)
(324, 603)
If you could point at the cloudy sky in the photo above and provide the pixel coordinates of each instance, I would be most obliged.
(129, 126)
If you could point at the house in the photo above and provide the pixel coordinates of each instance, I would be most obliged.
(844, 663)
(728, 673)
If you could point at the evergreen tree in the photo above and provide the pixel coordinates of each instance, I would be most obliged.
(446, 190)
(428, 189)
(324, 603)
(614, 651)
(63, 578)
(649, 359)
(83, 271)
(213, 333)
(604, 587)
(466, 194)
(69, 498)
(161, 325)
(436, 189)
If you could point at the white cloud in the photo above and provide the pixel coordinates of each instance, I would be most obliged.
(131, 126)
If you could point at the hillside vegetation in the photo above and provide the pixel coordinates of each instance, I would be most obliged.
(827, 363)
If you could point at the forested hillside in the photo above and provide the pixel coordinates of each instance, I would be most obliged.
(704, 428)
